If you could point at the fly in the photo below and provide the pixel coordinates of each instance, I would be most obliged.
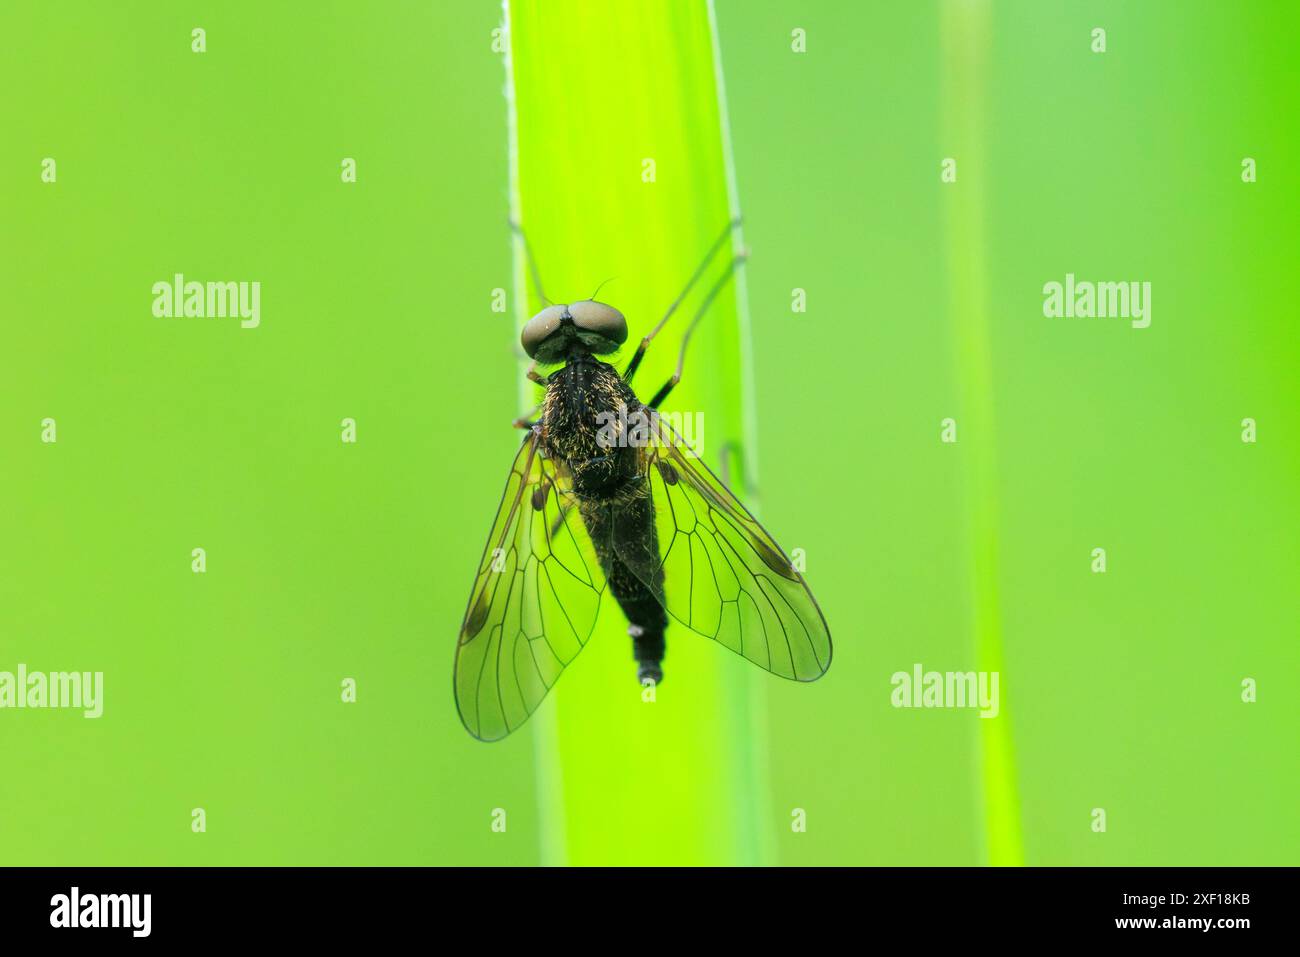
(604, 496)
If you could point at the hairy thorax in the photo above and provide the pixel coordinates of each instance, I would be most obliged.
(585, 419)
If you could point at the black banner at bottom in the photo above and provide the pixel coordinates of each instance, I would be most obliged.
(368, 905)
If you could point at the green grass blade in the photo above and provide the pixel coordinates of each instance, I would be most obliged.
(966, 41)
(620, 172)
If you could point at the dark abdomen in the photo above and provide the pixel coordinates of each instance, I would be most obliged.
(634, 518)
(586, 401)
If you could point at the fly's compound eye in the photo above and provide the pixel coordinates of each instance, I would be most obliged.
(539, 328)
(604, 325)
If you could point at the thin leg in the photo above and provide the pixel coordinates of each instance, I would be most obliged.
(724, 468)
(699, 271)
(724, 464)
(560, 520)
(532, 263)
(686, 339)
(529, 420)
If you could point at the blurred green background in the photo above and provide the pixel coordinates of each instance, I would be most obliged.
(325, 560)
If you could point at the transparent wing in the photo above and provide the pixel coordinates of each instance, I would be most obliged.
(723, 575)
(534, 602)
